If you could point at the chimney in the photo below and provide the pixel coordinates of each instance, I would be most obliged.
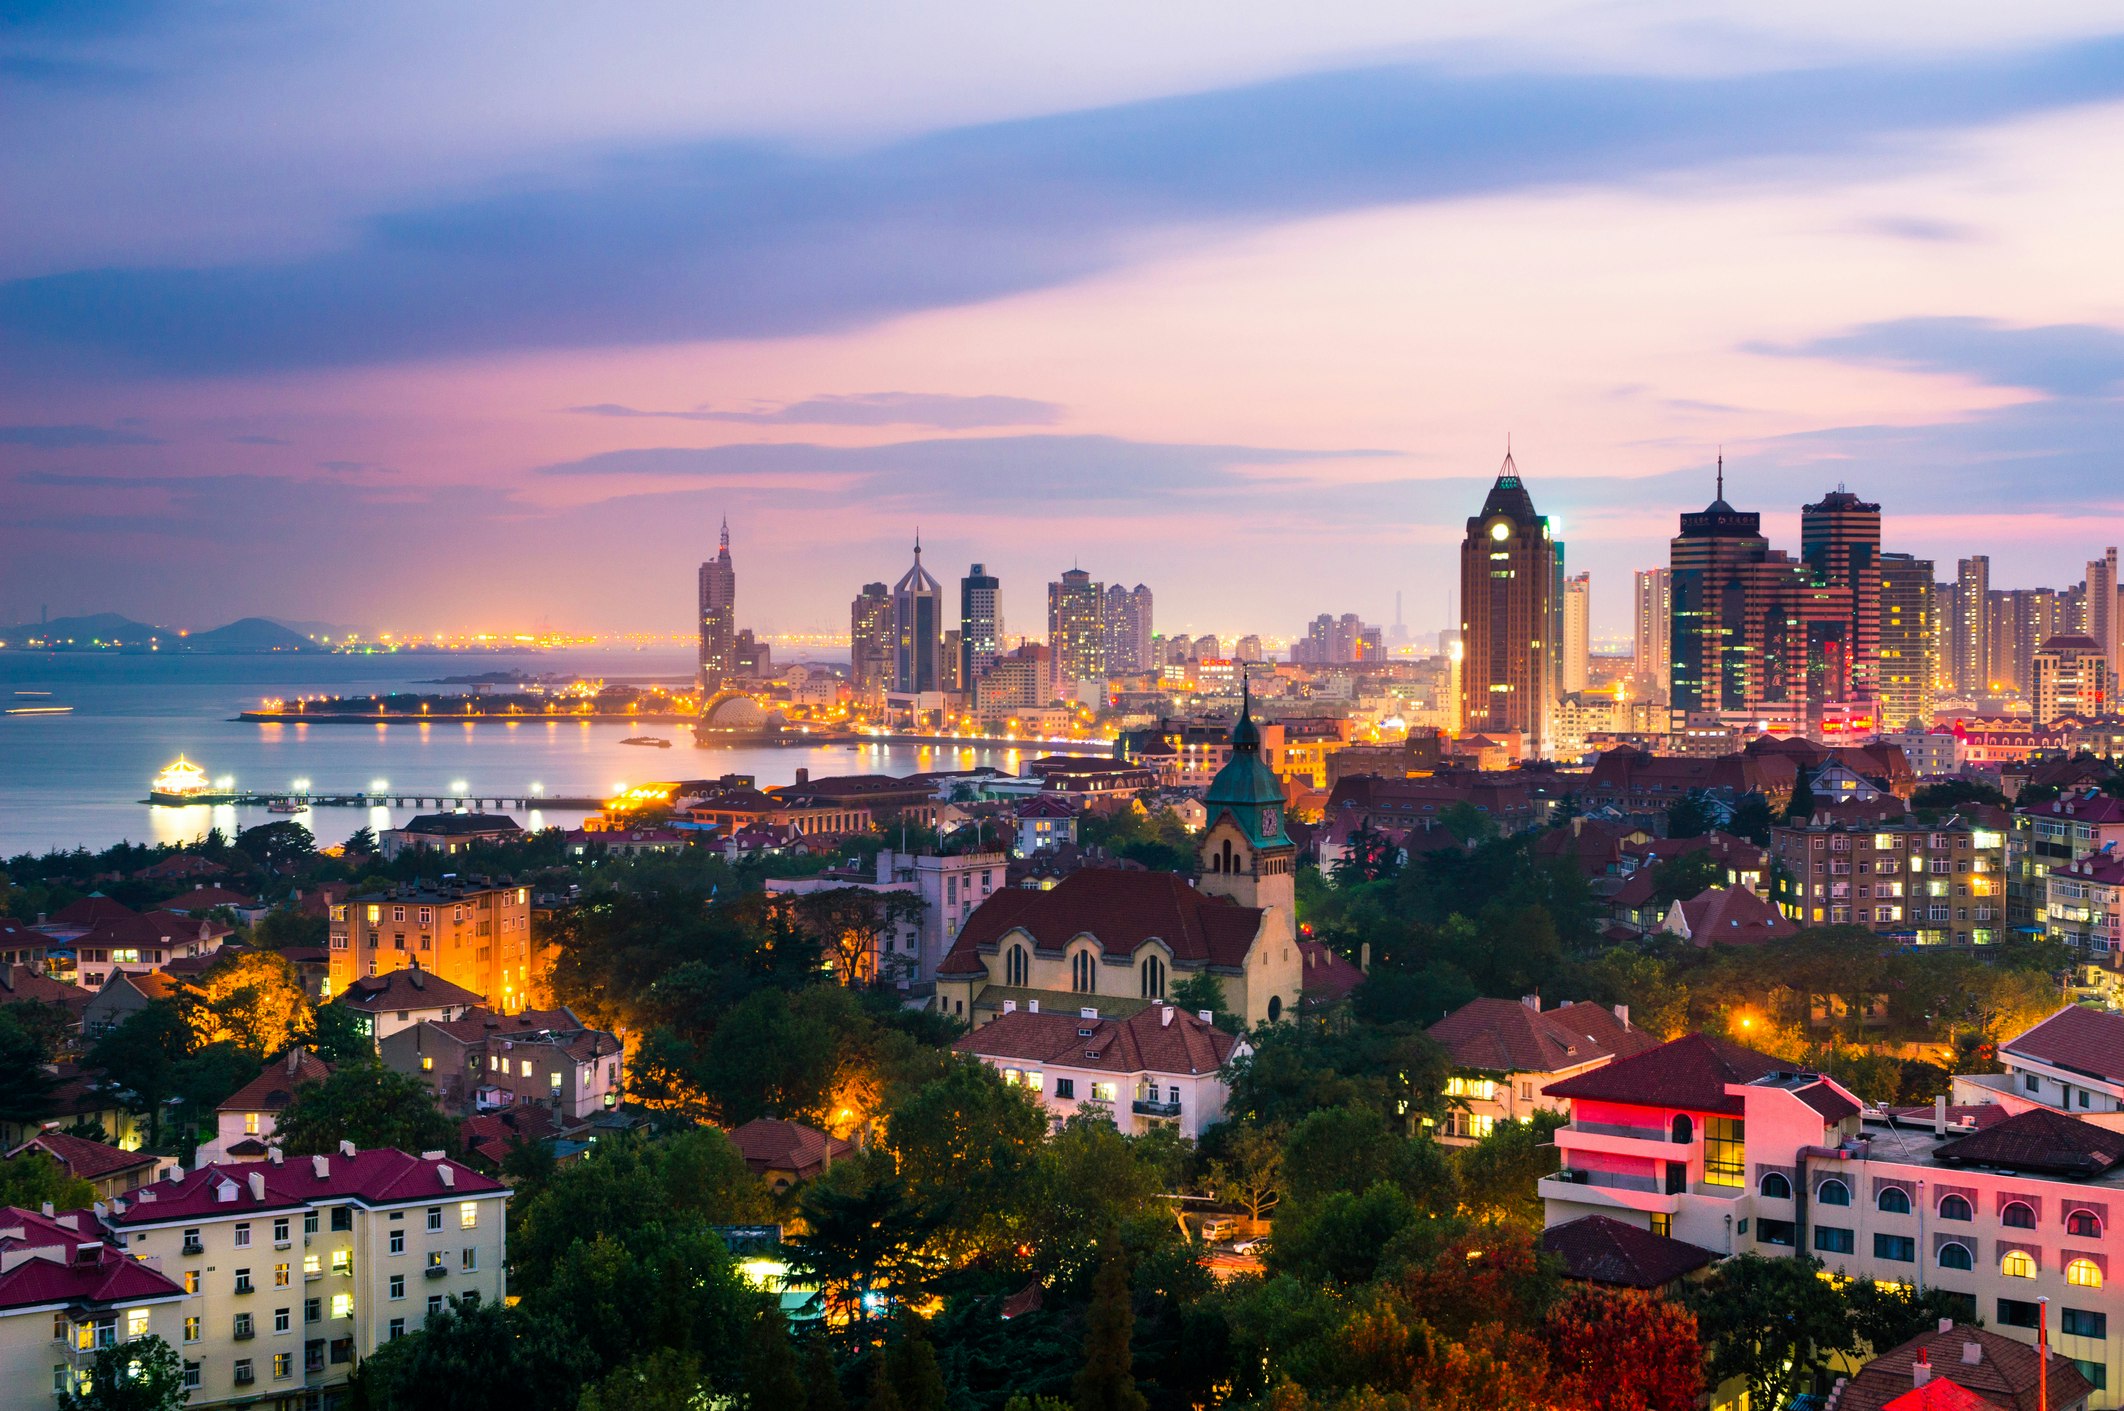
(1920, 1370)
(275, 1155)
(346, 1148)
(1946, 1325)
(803, 777)
(1010, 1006)
(1622, 1014)
(1972, 1353)
(1089, 1011)
(448, 1175)
(1165, 1017)
(1532, 1002)
(1364, 957)
(321, 1166)
(1207, 1016)
(1939, 1115)
(48, 1211)
(257, 1185)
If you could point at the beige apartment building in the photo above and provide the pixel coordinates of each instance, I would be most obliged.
(1938, 883)
(471, 933)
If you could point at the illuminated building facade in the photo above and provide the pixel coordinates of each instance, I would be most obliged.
(1653, 624)
(870, 642)
(1128, 630)
(1076, 629)
(980, 625)
(1507, 588)
(1968, 632)
(2072, 678)
(1577, 664)
(476, 935)
(1840, 542)
(917, 631)
(718, 603)
(1908, 642)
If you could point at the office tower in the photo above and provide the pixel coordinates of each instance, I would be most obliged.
(980, 625)
(1128, 630)
(1713, 665)
(1840, 542)
(1076, 628)
(1654, 632)
(1576, 667)
(1909, 648)
(2072, 678)
(718, 590)
(1507, 610)
(2104, 623)
(917, 630)
(870, 642)
(1248, 648)
(1967, 636)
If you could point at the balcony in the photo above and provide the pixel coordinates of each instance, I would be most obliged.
(245, 1376)
(1152, 1107)
(194, 1247)
(245, 1332)
(1619, 1129)
(1608, 1180)
(436, 1271)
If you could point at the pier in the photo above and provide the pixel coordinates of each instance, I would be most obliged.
(395, 798)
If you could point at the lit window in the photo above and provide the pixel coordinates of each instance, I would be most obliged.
(2083, 1273)
(427, 1063)
(250, 1124)
(342, 1305)
(2018, 1264)
(1725, 1152)
(467, 1214)
(191, 1329)
(136, 1319)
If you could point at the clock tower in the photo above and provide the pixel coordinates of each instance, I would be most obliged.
(1245, 853)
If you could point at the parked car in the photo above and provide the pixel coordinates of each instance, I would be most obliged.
(1218, 1227)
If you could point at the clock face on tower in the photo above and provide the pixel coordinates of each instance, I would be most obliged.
(1268, 822)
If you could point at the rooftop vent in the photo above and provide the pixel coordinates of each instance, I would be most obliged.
(346, 1148)
(1972, 1353)
(321, 1166)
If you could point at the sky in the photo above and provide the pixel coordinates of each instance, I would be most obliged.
(482, 316)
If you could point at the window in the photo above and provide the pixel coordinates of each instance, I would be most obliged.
(243, 1236)
(1015, 966)
(191, 1376)
(435, 1304)
(280, 1276)
(243, 1325)
(250, 1124)
(283, 1364)
(435, 1259)
(2018, 1215)
(1153, 978)
(467, 1214)
(1954, 1208)
(434, 1217)
(342, 1217)
(1683, 1130)
(342, 1305)
(312, 1310)
(280, 1234)
(1081, 976)
(2017, 1313)
(2083, 1273)
(2079, 1323)
(2084, 1223)
(191, 1281)
(1066, 1089)
(2018, 1264)
(309, 1222)
(468, 1259)
(1832, 1192)
(1956, 1256)
(398, 1241)
(281, 1321)
(398, 1329)
(191, 1329)
(1102, 1092)
(1894, 1200)
(1831, 1240)
(1776, 1187)
(244, 1375)
(1770, 1231)
(1725, 1152)
(398, 1286)
(2097, 1373)
(243, 1281)
(342, 1261)
(312, 1266)
(1900, 1248)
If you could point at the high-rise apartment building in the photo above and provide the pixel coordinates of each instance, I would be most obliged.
(1713, 662)
(1507, 615)
(1128, 630)
(1248, 648)
(917, 631)
(2072, 678)
(1840, 542)
(1076, 628)
(1969, 638)
(870, 641)
(1908, 647)
(980, 625)
(1653, 623)
(2105, 623)
(1943, 638)
(718, 603)
(471, 932)
(1576, 668)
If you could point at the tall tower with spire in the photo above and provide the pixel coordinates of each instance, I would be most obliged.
(718, 602)
(1245, 852)
(1509, 617)
(918, 630)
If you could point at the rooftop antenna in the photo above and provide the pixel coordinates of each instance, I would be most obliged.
(1721, 473)
(726, 534)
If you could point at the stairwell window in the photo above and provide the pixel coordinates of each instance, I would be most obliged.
(1725, 1152)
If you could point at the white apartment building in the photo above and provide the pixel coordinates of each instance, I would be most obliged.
(1157, 1067)
(66, 1294)
(1728, 1150)
(292, 1269)
(2072, 1062)
(1506, 1053)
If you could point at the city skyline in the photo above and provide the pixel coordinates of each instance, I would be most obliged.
(1789, 240)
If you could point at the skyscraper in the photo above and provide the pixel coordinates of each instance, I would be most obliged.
(1654, 623)
(2104, 622)
(1507, 608)
(1128, 630)
(1968, 636)
(1713, 663)
(917, 630)
(718, 590)
(1908, 643)
(1076, 628)
(870, 641)
(2072, 678)
(980, 625)
(1576, 668)
(1840, 542)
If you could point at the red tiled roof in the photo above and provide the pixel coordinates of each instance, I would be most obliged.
(207, 898)
(1121, 910)
(1146, 1042)
(1602, 1250)
(1732, 916)
(19, 984)
(154, 928)
(2087, 1041)
(1510, 1036)
(1690, 1072)
(1940, 1395)
(91, 912)
(2039, 1140)
(771, 1144)
(274, 1087)
(407, 988)
(1326, 977)
(179, 865)
(69, 1274)
(148, 984)
(1046, 806)
(91, 1161)
(2003, 1374)
(380, 1176)
(477, 1024)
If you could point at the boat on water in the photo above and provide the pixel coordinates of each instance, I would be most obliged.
(650, 740)
(287, 806)
(40, 710)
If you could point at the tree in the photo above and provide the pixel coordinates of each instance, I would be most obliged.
(967, 1145)
(855, 928)
(339, 1035)
(864, 1235)
(773, 1377)
(1499, 1172)
(1953, 793)
(1771, 1321)
(910, 1369)
(664, 1380)
(1621, 1350)
(145, 1374)
(821, 1378)
(1689, 817)
(284, 928)
(361, 843)
(1108, 1379)
(1752, 819)
(1368, 855)
(1202, 990)
(250, 998)
(369, 1105)
(281, 841)
(25, 1083)
(31, 1179)
(1250, 1173)
(142, 1055)
(1800, 806)
(1687, 875)
(482, 1357)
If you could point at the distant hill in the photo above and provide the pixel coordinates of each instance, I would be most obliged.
(109, 631)
(318, 631)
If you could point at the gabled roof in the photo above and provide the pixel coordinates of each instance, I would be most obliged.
(274, 1087)
(19, 984)
(2042, 1140)
(2003, 1372)
(461, 825)
(1690, 1072)
(771, 1144)
(410, 987)
(1046, 806)
(1602, 1250)
(1157, 1039)
(1733, 916)
(1326, 977)
(380, 1176)
(2086, 1041)
(206, 899)
(91, 1161)
(1512, 1036)
(1121, 910)
(68, 1263)
(91, 912)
